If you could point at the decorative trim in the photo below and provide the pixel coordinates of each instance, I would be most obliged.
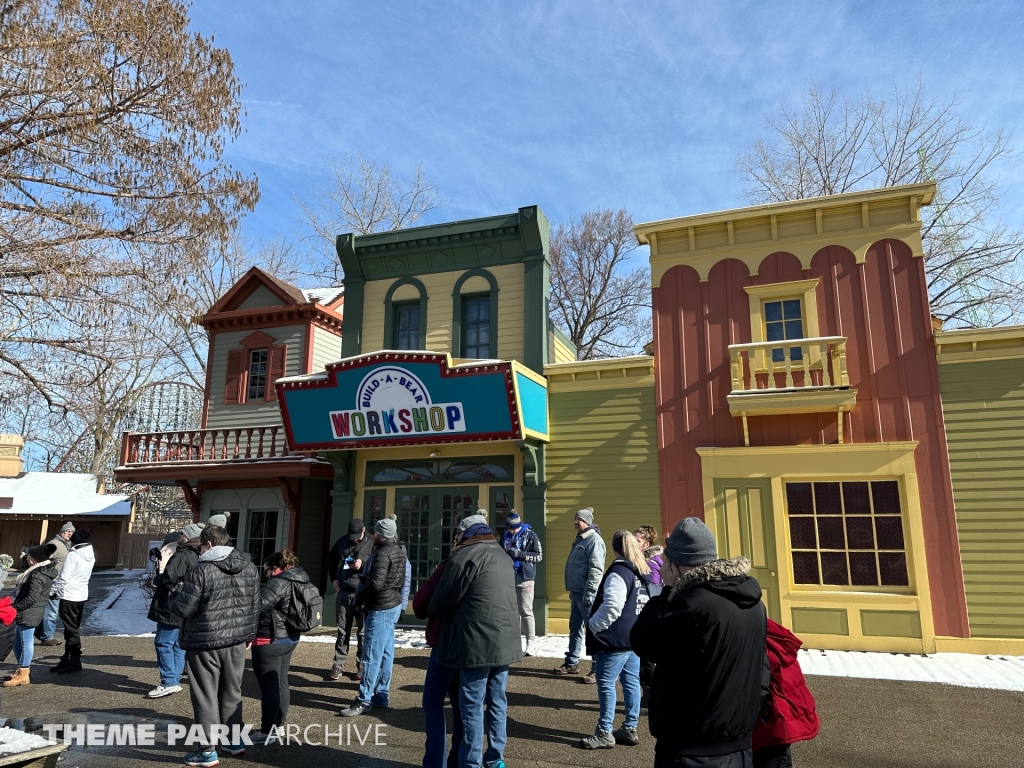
(389, 311)
(273, 317)
(457, 311)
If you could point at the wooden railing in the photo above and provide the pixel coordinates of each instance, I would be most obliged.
(204, 445)
(821, 364)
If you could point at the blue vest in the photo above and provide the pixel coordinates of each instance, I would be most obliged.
(616, 637)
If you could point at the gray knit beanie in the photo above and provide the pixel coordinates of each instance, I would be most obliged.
(467, 522)
(691, 543)
(193, 531)
(386, 528)
(586, 515)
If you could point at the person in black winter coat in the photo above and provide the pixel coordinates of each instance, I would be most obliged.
(381, 595)
(170, 656)
(706, 635)
(219, 604)
(276, 638)
(31, 594)
(345, 562)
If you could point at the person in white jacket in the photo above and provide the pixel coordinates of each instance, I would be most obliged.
(72, 589)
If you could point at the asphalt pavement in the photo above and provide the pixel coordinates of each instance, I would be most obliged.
(865, 723)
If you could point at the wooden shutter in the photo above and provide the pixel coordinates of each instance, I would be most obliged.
(278, 356)
(233, 379)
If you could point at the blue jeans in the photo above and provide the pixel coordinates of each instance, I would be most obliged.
(578, 615)
(439, 683)
(23, 645)
(48, 625)
(379, 652)
(624, 665)
(170, 658)
(478, 686)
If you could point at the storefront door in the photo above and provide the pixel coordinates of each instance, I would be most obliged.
(744, 522)
(427, 518)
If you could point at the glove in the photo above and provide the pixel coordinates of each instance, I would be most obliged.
(401, 616)
(517, 554)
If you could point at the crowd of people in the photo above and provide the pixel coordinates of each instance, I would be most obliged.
(672, 623)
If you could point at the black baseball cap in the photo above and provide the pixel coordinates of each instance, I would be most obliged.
(356, 527)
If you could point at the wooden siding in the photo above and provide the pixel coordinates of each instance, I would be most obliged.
(881, 305)
(603, 454)
(326, 348)
(562, 352)
(221, 416)
(439, 285)
(984, 408)
(261, 297)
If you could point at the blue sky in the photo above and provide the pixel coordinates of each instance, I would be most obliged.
(575, 105)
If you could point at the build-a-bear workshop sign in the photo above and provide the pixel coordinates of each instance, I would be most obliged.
(412, 398)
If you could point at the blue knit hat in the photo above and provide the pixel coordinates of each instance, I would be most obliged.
(513, 519)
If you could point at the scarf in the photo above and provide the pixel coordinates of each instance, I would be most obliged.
(21, 579)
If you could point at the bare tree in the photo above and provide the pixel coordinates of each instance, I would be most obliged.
(832, 144)
(114, 118)
(595, 296)
(363, 197)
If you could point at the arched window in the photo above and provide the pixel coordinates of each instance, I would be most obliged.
(405, 320)
(475, 315)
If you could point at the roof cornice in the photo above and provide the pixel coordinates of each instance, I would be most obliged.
(270, 316)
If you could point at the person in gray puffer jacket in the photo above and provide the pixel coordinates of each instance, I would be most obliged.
(476, 601)
(219, 604)
(584, 570)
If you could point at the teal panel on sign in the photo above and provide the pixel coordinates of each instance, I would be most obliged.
(533, 399)
(399, 401)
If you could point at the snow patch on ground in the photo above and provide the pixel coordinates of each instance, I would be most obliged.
(964, 669)
(122, 613)
(12, 741)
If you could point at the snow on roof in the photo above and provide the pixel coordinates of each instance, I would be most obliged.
(323, 296)
(60, 494)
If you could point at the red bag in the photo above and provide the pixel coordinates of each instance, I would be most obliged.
(791, 713)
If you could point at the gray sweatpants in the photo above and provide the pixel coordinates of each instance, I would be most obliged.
(215, 684)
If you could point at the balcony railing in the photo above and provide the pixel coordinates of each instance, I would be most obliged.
(205, 445)
(773, 366)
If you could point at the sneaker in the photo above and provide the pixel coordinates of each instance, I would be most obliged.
(259, 738)
(531, 649)
(495, 764)
(53, 642)
(200, 759)
(600, 740)
(235, 749)
(163, 690)
(355, 710)
(590, 678)
(567, 669)
(335, 673)
(626, 736)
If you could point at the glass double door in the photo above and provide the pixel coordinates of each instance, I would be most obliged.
(427, 521)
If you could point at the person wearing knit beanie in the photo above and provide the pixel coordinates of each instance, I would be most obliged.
(706, 634)
(521, 543)
(384, 593)
(584, 569)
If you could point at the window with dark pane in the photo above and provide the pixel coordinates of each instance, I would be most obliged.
(262, 534)
(407, 326)
(847, 533)
(783, 321)
(476, 326)
(257, 389)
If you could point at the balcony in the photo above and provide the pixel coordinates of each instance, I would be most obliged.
(214, 453)
(795, 376)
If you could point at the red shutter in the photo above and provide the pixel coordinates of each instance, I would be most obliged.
(278, 356)
(233, 380)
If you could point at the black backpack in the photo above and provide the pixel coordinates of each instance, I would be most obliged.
(306, 610)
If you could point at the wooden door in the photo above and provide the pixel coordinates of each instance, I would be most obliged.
(745, 526)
